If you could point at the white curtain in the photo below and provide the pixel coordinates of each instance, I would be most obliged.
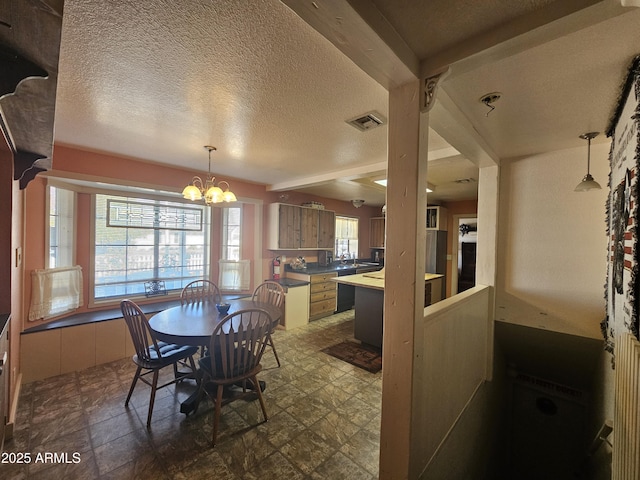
(234, 275)
(55, 291)
(347, 228)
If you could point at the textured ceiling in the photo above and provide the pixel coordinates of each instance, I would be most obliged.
(157, 80)
(154, 81)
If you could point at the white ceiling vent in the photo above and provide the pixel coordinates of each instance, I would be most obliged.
(367, 121)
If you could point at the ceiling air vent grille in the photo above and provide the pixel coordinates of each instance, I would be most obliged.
(367, 121)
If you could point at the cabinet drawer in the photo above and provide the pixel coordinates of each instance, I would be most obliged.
(326, 307)
(322, 287)
(320, 296)
(323, 277)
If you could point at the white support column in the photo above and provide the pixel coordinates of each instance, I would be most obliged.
(486, 269)
(404, 275)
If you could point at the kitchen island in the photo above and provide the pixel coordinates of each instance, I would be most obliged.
(369, 302)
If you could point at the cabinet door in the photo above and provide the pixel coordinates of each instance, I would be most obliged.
(326, 229)
(436, 218)
(289, 227)
(376, 233)
(309, 228)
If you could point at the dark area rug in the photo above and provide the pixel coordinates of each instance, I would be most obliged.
(360, 355)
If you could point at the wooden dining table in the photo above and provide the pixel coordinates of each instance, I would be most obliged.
(193, 325)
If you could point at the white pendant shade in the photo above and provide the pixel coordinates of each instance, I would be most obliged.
(588, 183)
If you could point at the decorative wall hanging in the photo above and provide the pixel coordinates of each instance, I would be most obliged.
(622, 214)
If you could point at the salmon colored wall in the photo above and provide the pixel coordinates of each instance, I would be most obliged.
(17, 282)
(11, 276)
(6, 200)
(81, 162)
(34, 243)
(83, 246)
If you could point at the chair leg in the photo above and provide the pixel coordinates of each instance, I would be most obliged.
(133, 385)
(254, 379)
(216, 416)
(192, 363)
(273, 347)
(152, 399)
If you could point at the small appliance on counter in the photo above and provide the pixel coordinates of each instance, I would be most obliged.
(325, 258)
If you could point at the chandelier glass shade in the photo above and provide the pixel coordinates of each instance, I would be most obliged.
(207, 190)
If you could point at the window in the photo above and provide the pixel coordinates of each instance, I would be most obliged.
(139, 240)
(346, 237)
(231, 233)
(234, 273)
(61, 231)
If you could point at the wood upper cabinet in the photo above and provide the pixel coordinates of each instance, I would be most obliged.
(326, 229)
(293, 228)
(288, 226)
(376, 232)
(309, 227)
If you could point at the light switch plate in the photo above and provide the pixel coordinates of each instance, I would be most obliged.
(18, 256)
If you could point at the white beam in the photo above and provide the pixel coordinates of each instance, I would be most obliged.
(340, 175)
(455, 128)
(541, 26)
(361, 32)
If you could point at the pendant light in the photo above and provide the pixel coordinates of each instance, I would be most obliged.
(588, 183)
(198, 190)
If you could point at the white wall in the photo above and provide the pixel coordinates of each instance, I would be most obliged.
(552, 247)
(552, 255)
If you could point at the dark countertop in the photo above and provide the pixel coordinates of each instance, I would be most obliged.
(348, 268)
(290, 282)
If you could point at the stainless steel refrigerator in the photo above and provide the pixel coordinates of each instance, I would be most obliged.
(436, 253)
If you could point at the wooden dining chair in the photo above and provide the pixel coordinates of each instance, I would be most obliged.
(200, 291)
(237, 345)
(153, 355)
(272, 293)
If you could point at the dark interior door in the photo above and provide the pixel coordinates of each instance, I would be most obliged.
(467, 272)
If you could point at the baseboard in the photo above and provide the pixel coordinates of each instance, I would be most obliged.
(8, 429)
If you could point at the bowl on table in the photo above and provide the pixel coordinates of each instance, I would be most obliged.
(223, 308)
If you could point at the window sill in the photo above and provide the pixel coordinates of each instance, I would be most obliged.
(106, 315)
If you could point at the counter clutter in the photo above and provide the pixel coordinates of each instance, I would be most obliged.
(326, 297)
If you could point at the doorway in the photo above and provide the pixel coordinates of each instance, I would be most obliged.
(463, 265)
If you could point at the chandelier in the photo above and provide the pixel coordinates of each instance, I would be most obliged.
(198, 190)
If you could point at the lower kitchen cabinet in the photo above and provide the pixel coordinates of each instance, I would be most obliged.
(322, 299)
(296, 307)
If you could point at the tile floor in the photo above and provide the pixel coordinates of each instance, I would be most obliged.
(324, 421)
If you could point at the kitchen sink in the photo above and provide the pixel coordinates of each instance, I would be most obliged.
(357, 265)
